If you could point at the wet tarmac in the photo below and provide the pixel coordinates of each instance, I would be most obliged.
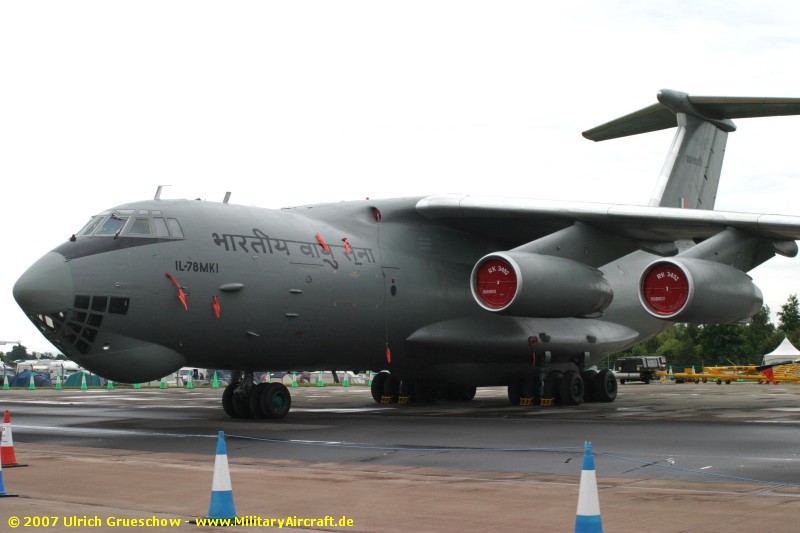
(669, 457)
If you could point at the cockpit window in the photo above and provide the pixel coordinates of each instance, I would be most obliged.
(161, 227)
(174, 228)
(112, 226)
(91, 225)
(132, 223)
(140, 226)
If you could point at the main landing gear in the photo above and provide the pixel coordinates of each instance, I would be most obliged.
(563, 388)
(388, 388)
(245, 399)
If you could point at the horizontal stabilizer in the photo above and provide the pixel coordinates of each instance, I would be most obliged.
(715, 109)
(653, 118)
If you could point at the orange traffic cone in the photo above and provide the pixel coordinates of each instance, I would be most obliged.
(3, 493)
(7, 456)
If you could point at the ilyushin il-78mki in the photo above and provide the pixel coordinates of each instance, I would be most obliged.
(440, 294)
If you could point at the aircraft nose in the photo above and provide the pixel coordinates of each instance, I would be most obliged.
(46, 287)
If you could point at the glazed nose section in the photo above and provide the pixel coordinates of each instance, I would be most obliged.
(46, 287)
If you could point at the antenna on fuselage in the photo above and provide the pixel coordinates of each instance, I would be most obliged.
(227, 197)
(158, 192)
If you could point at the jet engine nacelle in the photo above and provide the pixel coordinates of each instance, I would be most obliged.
(698, 291)
(533, 285)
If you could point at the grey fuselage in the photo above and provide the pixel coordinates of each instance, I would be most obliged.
(261, 292)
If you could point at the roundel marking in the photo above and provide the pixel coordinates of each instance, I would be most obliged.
(665, 289)
(496, 283)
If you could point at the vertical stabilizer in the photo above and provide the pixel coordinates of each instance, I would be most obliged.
(690, 175)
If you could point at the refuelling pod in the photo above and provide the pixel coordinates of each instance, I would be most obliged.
(533, 285)
(698, 291)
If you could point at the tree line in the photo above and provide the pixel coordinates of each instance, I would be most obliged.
(686, 345)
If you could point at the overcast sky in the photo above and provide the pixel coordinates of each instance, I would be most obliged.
(289, 103)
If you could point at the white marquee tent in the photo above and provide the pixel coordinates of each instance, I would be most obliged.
(785, 352)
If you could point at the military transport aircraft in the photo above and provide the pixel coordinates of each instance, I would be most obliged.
(442, 294)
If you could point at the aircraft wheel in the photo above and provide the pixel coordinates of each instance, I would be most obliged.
(571, 388)
(589, 391)
(515, 389)
(425, 392)
(606, 386)
(465, 394)
(391, 387)
(531, 385)
(255, 399)
(275, 400)
(227, 401)
(241, 405)
(551, 385)
(378, 382)
(407, 390)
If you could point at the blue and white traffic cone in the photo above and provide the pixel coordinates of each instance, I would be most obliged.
(221, 491)
(3, 493)
(587, 519)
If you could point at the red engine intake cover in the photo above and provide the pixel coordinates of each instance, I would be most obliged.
(665, 289)
(496, 283)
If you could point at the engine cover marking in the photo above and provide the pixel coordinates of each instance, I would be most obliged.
(665, 288)
(496, 283)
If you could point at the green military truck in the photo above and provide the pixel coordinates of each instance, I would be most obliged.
(639, 368)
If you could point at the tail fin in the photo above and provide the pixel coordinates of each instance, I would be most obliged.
(690, 175)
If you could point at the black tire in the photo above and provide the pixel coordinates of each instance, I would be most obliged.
(391, 387)
(425, 392)
(378, 381)
(551, 386)
(255, 399)
(275, 401)
(515, 389)
(531, 387)
(571, 388)
(622, 382)
(466, 393)
(589, 378)
(606, 386)
(407, 390)
(227, 401)
(241, 405)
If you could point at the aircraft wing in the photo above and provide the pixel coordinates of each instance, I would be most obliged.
(529, 219)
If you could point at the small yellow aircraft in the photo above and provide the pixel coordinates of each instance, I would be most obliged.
(786, 371)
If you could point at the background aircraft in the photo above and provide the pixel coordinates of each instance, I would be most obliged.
(445, 293)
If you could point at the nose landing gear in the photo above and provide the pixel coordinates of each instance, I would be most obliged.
(244, 399)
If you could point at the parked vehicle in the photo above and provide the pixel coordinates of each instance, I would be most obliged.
(639, 368)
